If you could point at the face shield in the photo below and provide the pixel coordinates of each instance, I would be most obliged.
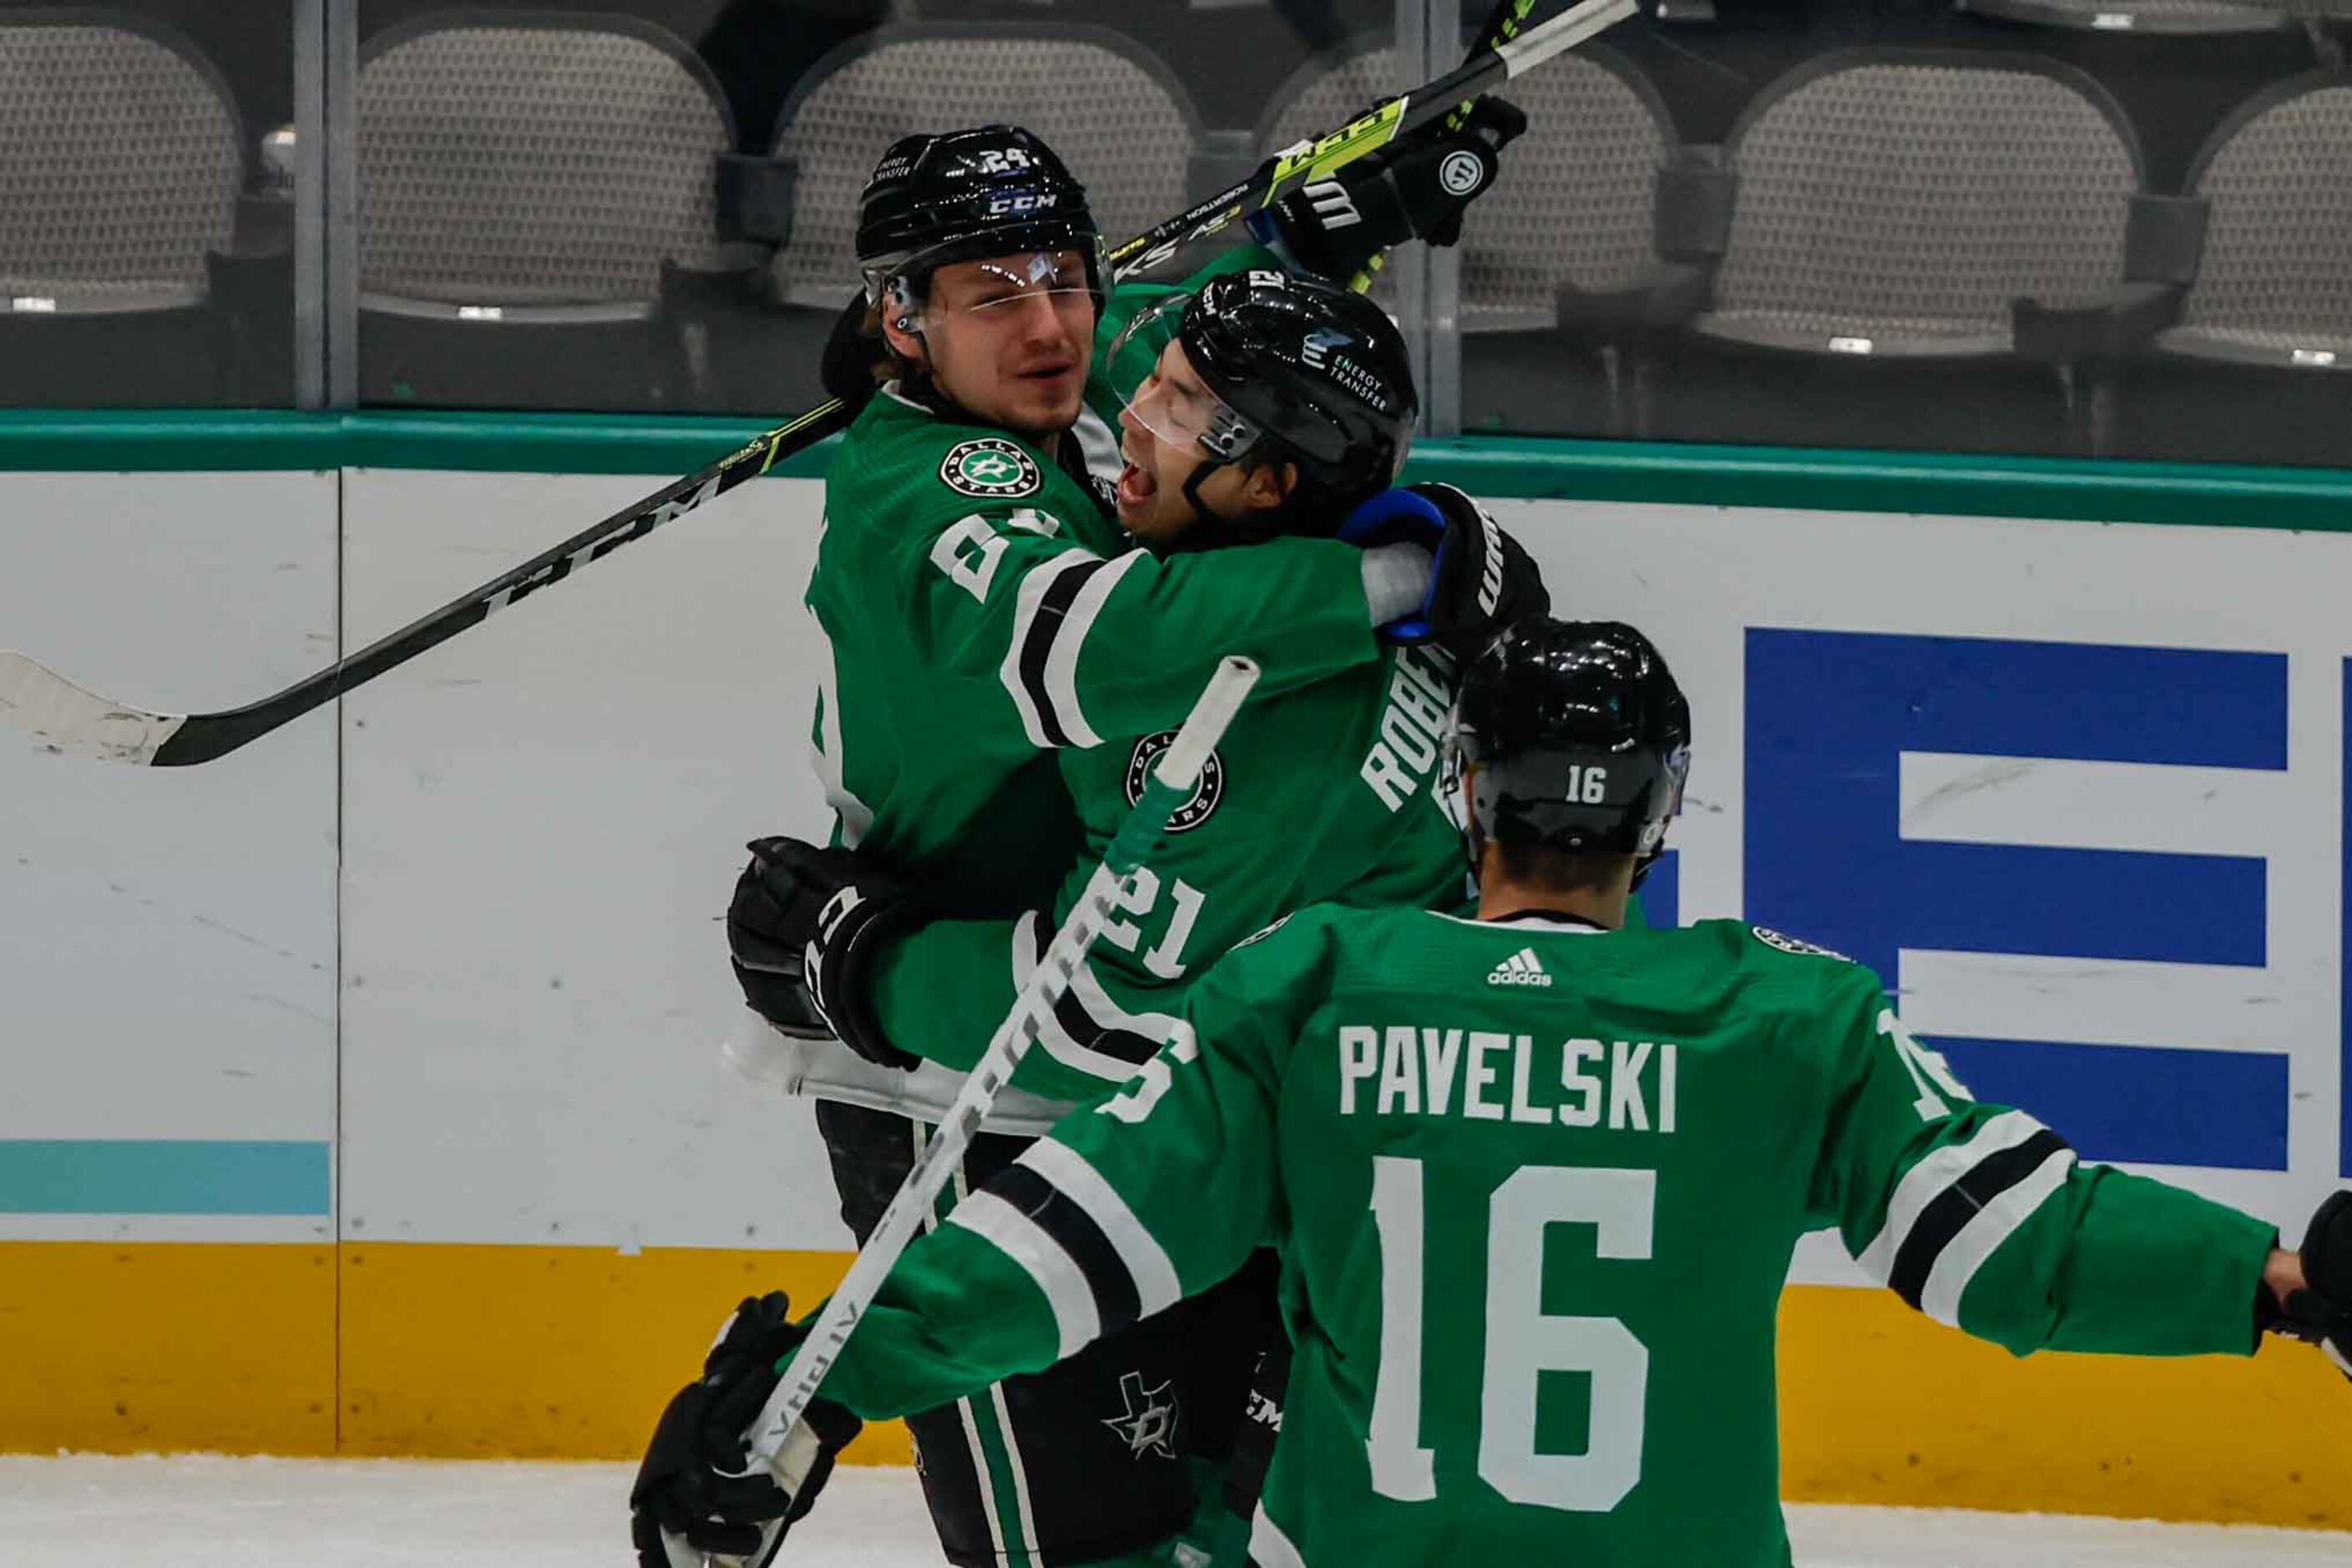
(999, 287)
(1173, 402)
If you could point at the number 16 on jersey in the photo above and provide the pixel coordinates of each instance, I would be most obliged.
(1522, 1341)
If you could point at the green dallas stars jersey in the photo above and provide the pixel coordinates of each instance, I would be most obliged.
(979, 607)
(1536, 1188)
(1327, 793)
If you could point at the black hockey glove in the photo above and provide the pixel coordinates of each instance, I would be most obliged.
(2322, 1311)
(693, 1487)
(847, 369)
(802, 930)
(1414, 189)
(1480, 579)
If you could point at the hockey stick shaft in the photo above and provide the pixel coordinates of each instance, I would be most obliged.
(1171, 783)
(71, 718)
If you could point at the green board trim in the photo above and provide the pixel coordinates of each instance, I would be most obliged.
(1949, 484)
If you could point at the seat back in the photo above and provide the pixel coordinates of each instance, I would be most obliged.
(1116, 116)
(120, 158)
(1902, 200)
(533, 159)
(2277, 267)
(2144, 15)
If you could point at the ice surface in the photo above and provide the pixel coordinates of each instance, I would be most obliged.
(205, 1513)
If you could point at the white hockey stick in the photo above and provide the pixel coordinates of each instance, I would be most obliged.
(1171, 783)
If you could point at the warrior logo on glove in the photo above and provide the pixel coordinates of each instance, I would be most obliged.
(1460, 173)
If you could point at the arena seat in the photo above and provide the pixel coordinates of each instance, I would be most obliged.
(121, 158)
(2260, 367)
(1119, 117)
(2275, 287)
(1972, 214)
(528, 181)
(2159, 16)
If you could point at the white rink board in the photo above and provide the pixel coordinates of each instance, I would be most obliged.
(544, 823)
(541, 822)
(167, 937)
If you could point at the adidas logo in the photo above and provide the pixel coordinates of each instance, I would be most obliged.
(1519, 969)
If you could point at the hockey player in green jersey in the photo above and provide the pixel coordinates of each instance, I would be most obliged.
(1543, 1141)
(981, 610)
(1328, 792)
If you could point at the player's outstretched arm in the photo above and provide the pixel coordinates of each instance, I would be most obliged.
(1155, 1194)
(1981, 1218)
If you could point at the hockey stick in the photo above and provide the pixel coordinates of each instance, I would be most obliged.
(1501, 27)
(1170, 785)
(71, 718)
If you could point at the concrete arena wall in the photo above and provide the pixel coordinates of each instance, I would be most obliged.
(361, 1089)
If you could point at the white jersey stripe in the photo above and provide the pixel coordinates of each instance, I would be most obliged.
(1923, 1183)
(1069, 640)
(1033, 586)
(963, 1406)
(1979, 1239)
(1020, 1470)
(1057, 1274)
(1155, 1285)
(1107, 1014)
(1029, 938)
(1268, 1547)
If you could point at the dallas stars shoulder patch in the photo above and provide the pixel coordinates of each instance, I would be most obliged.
(991, 467)
(1205, 794)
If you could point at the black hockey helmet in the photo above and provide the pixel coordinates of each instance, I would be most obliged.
(1575, 737)
(1306, 372)
(993, 190)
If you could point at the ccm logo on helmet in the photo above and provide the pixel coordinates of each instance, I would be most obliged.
(1004, 207)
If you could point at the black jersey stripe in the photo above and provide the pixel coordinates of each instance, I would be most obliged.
(1116, 1299)
(1125, 1044)
(1957, 1205)
(1037, 646)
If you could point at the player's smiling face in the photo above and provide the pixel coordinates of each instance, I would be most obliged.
(1160, 445)
(1008, 339)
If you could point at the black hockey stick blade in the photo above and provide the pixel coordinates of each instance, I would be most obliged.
(71, 719)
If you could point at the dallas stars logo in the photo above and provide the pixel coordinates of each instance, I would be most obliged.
(1149, 1424)
(1205, 794)
(992, 468)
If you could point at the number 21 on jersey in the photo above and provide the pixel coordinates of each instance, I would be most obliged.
(1521, 1338)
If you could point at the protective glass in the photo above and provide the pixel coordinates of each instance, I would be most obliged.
(1181, 410)
(1007, 286)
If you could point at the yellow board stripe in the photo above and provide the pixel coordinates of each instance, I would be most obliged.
(569, 1352)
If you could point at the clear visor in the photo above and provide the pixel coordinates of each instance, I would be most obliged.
(1173, 402)
(999, 287)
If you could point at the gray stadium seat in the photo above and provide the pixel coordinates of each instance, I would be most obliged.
(1896, 204)
(2275, 287)
(120, 158)
(2163, 17)
(516, 158)
(529, 169)
(1118, 117)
